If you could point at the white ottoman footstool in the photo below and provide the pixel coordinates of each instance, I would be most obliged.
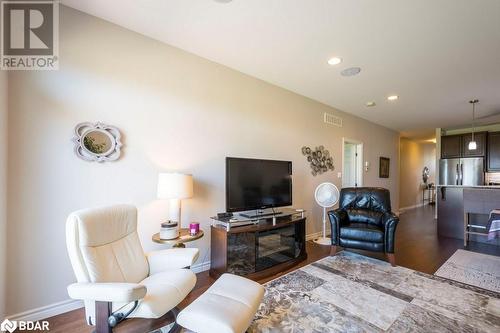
(228, 306)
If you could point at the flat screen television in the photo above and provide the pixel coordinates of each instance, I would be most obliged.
(253, 184)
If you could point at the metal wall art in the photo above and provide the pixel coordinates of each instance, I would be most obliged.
(97, 142)
(320, 159)
(425, 175)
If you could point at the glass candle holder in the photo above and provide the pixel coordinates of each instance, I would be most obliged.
(194, 228)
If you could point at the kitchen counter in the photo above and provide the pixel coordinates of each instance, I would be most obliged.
(471, 186)
(455, 201)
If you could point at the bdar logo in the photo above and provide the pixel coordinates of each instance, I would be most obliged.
(8, 326)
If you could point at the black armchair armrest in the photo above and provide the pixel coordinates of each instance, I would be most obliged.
(338, 217)
(390, 221)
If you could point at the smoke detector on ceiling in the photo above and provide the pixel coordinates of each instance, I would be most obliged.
(351, 71)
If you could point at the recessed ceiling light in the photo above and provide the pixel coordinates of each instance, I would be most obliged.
(334, 61)
(350, 71)
(392, 97)
(369, 104)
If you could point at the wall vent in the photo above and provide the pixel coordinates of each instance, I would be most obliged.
(332, 119)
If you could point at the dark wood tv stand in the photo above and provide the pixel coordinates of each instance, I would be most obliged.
(258, 250)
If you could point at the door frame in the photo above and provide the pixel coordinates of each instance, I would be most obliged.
(359, 160)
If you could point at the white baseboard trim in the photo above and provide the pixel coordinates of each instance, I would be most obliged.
(201, 267)
(55, 309)
(47, 311)
(315, 235)
(403, 209)
(58, 308)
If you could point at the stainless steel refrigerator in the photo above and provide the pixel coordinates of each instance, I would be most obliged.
(461, 171)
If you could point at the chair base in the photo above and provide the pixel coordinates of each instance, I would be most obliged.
(176, 328)
(391, 258)
(103, 312)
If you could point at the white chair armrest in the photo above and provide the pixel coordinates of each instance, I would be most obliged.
(107, 292)
(160, 261)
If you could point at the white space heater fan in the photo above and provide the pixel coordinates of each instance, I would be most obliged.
(326, 195)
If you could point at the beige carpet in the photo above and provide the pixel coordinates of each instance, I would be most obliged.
(475, 269)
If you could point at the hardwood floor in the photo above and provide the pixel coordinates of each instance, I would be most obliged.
(417, 247)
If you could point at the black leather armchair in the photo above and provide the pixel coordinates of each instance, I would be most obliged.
(364, 221)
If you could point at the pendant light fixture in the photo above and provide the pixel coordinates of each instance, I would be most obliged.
(473, 143)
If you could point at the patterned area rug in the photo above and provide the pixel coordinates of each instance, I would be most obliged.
(476, 269)
(354, 293)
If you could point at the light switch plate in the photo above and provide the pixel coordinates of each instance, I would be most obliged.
(339, 174)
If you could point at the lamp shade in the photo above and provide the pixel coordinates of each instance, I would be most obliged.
(175, 186)
(472, 145)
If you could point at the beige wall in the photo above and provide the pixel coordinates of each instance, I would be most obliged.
(3, 188)
(414, 155)
(176, 112)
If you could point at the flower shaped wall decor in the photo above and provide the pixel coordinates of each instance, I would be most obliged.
(320, 159)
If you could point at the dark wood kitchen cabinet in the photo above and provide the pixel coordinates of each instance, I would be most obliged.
(456, 146)
(480, 139)
(493, 151)
(451, 146)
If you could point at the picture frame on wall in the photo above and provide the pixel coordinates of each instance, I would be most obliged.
(383, 169)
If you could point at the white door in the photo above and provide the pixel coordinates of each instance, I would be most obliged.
(352, 163)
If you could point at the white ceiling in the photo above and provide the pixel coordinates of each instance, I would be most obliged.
(436, 55)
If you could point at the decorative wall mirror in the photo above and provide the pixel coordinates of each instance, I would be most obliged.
(97, 142)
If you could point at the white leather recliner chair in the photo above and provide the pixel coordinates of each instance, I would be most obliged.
(115, 278)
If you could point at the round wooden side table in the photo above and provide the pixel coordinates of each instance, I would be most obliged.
(184, 237)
